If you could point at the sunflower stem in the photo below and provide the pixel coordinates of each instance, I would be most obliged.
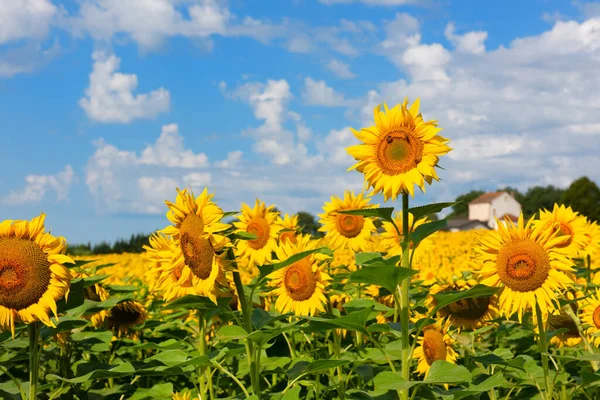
(202, 351)
(34, 358)
(404, 300)
(543, 344)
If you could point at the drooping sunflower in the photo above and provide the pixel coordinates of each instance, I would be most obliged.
(569, 224)
(466, 314)
(569, 338)
(526, 263)
(400, 151)
(33, 276)
(390, 239)
(435, 344)
(262, 222)
(289, 227)
(299, 287)
(196, 244)
(590, 317)
(344, 230)
(125, 315)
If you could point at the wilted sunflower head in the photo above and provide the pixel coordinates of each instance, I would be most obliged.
(400, 151)
(33, 276)
(125, 315)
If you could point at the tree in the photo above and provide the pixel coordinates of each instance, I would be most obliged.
(584, 197)
(462, 209)
(540, 197)
(308, 224)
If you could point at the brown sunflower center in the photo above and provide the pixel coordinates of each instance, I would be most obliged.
(596, 317)
(349, 225)
(563, 321)
(399, 151)
(565, 230)
(288, 235)
(259, 227)
(198, 254)
(300, 281)
(192, 225)
(523, 265)
(434, 347)
(24, 273)
(471, 309)
(124, 315)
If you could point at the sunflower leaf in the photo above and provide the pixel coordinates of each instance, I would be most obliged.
(422, 231)
(427, 209)
(231, 332)
(270, 268)
(244, 236)
(446, 372)
(383, 212)
(446, 298)
(386, 276)
(354, 321)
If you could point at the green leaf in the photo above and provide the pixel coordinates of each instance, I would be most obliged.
(488, 384)
(293, 393)
(98, 371)
(427, 209)
(158, 391)
(493, 359)
(94, 341)
(324, 365)
(354, 321)
(387, 276)
(422, 231)
(270, 268)
(388, 380)
(170, 357)
(379, 328)
(446, 372)
(231, 332)
(244, 236)
(64, 324)
(366, 257)
(92, 280)
(383, 212)
(446, 298)
(192, 301)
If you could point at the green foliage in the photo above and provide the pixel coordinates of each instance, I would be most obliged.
(540, 197)
(583, 195)
(309, 224)
(461, 208)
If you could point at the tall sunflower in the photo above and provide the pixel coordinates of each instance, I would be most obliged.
(590, 316)
(400, 151)
(569, 224)
(289, 228)
(390, 239)
(299, 287)
(466, 314)
(194, 252)
(33, 276)
(344, 230)
(262, 222)
(526, 263)
(435, 344)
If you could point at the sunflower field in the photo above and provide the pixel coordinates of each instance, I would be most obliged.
(240, 304)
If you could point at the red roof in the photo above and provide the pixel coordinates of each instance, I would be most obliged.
(486, 197)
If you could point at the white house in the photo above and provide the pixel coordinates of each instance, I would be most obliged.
(493, 205)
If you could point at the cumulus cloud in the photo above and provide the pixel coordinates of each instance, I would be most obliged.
(470, 42)
(25, 19)
(168, 151)
(110, 97)
(232, 160)
(37, 187)
(340, 69)
(317, 93)
(26, 58)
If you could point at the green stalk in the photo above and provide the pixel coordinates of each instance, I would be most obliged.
(543, 345)
(34, 358)
(202, 351)
(254, 371)
(404, 300)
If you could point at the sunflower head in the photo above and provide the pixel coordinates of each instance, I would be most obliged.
(289, 228)
(391, 238)
(33, 276)
(344, 230)
(400, 151)
(569, 225)
(261, 221)
(435, 344)
(590, 316)
(126, 315)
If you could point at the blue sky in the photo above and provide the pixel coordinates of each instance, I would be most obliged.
(107, 105)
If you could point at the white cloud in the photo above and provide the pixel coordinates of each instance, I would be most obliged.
(317, 93)
(25, 19)
(154, 191)
(232, 160)
(470, 42)
(197, 180)
(168, 151)
(26, 58)
(110, 97)
(340, 69)
(38, 186)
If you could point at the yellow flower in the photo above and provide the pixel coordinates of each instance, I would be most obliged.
(569, 338)
(400, 151)
(289, 227)
(590, 317)
(526, 263)
(592, 240)
(435, 344)
(390, 240)
(183, 396)
(569, 225)
(32, 272)
(467, 314)
(299, 287)
(262, 222)
(343, 230)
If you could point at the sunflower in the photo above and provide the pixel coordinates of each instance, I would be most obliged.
(562, 320)
(526, 263)
(299, 287)
(390, 239)
(400, 151)
(195, 245)
(343, 230)
(569, 224)
(289, 228)
(183, 396)
(466, 314)
(33, 276)
(435, 344)
(590, 316)
(126, 315)
(592, 242)
(262, 222)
